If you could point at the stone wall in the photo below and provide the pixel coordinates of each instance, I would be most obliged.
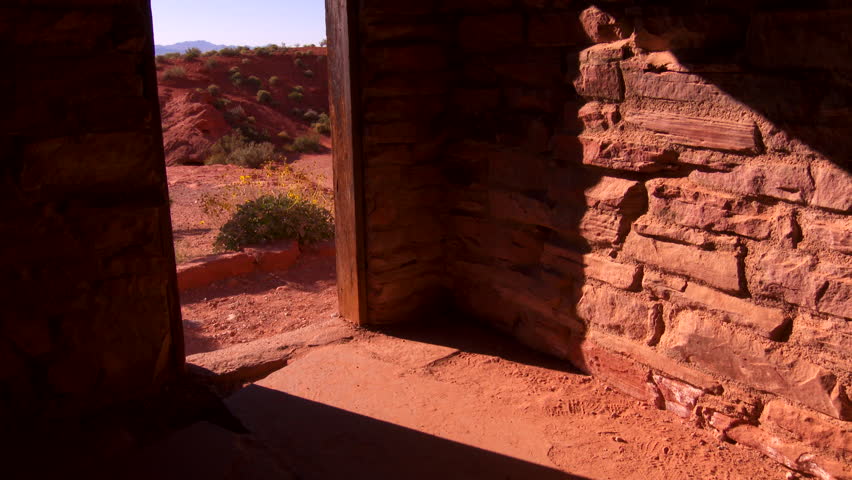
(406, 78)
(659, 195)
(90, 312)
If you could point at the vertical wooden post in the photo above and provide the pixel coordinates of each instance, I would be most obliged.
(343, 57)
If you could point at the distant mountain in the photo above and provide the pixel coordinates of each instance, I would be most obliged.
(181, 47)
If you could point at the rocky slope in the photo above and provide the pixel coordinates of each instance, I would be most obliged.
(192, 121)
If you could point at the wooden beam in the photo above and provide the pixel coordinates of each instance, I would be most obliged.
(343, 57)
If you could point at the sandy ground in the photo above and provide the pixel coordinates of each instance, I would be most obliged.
(442, 400)
(243, 309)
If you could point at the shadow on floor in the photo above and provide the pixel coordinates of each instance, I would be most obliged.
(459, 332)
(317, 441)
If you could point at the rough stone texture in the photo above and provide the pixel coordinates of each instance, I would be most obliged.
(267, 258)
(515, 154)
(700, 341)
(92, 316)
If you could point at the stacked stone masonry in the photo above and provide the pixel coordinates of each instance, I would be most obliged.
(659, 195)
(90, 309)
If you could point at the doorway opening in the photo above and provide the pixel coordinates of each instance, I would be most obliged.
(247, 138)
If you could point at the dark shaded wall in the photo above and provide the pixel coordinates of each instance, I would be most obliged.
(90, 313)
(658, 194)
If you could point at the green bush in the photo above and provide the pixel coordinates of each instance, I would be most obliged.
(253, 82)
(221, 103)
(262, 51)
(245, 51)
(172, 73)
(309, 73)
(307, 144)
(235, 149)
(263, 96)
(229, 52)
(211, 63)
(192, 53)
(323, 125)
(214, 90)
(311, 116)
(273, 218)
(296, 96)
(210, 53)
(274, 81)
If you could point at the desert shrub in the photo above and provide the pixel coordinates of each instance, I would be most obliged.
(309, 73)
(306, 144)
(210, 53)
(236, 149)
(192, 53)
(311, 116)
(296, 96)
(172, 73)
(245, 61)
(245, 51)
(271, 218)
(221, 103)
(214, 90)
(253, 82)
(172, 55)
(298, 62)
(323, 125)
(297, 112)
(161, 59)
(251, 119)
(283, 135)
(274, 81)
(299, 88)
(263, 96)
(229, 52)
(262, 51)
(237, 78)
(211, 63)
(253, 133)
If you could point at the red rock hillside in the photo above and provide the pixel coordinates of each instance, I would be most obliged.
(191, 121)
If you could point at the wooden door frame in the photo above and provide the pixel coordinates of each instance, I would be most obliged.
(342, 25)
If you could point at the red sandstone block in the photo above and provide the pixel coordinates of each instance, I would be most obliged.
(680, 398)
(791, 454)
(275, 257)
(784, 181)
(417, 58)
(701, 341)
(601, 27)
(490, 33)
(213, 268)
(617, 312)
(600, 81)
(321, 249)
(808, 427)
(718, 268)
(617, 155)
(833, 187)
(622, 373)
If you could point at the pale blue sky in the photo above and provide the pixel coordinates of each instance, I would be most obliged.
(239, 22)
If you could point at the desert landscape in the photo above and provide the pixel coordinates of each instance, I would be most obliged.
(204, 195)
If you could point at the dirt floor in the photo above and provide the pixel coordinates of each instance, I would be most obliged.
(447, 400)
(243, 309)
